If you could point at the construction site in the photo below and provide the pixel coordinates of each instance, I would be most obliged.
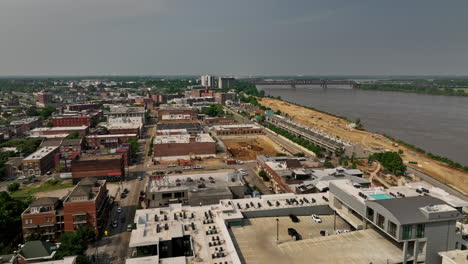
(247, 147)
(371, 142)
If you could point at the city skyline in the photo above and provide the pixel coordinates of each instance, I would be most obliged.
(232, 38)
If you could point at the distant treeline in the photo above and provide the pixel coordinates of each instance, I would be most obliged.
(414, 88)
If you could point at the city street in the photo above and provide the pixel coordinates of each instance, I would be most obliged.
(113, 248)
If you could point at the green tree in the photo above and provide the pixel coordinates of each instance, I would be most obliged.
(280, 154)
(47, 111)
(400, 151)
(73, 135)
(50, 124)
(10, 221)
(328, 164)
(13, 187)
(264, 176)
(214, 110)
(133, 147)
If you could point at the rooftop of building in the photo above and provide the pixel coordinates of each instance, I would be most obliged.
(73, 128)
(87, 188)
(111, 136)
(38, 249)
(182, 139)
(203, 183)
(126, 109)
(236, 126)
(41, 153)
(24, 121)
(202, 223)
(43, 201)
(455, 256)
(185, 125)
(100, 157)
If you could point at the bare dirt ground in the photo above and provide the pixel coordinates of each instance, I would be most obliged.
(247, 148)
(340, 127)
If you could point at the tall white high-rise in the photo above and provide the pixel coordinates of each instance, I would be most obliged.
(208, 80)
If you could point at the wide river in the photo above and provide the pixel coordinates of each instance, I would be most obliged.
(437, 124)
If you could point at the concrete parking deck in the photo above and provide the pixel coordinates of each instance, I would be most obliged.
(257, 243)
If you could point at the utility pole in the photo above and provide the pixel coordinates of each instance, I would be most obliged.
(277, 230)
(334, 220)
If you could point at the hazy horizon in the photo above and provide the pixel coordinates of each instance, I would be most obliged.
(239, 38)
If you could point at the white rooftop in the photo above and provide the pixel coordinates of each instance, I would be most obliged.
(182, 139)
(42, 129)
(42, 152)
(235, 126)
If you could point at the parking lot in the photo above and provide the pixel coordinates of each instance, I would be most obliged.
(257, 242)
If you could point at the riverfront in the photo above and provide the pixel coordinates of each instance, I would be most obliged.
(437, 124)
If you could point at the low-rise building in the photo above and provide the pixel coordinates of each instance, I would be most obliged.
(58, 131)
(103, 167)
(421, 225)
(223, 120)
(238, 129)
(184, 146)
(124, 125)
(81, 107)
(193, 189)
(86, 205)
(126, 111)
(176, 113)
(75, 119)
(40, 161)
(192, 127)
(110, 140)
(20, 127)
(44, 216)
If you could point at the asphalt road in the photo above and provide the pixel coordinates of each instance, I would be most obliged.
(113, 248)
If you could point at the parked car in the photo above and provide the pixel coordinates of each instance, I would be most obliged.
(125, 190)
(323, 233)
(294, 234)
(123, 195)
(115, 224)
(140, 178)
(171, 165)
(129, 227)
(198, 167)
(178, 171)
(316, 218)
(294, 218)
(119, 210)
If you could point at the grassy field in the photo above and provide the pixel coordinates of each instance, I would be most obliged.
(46, 186)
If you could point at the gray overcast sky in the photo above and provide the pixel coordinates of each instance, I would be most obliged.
(237, 37)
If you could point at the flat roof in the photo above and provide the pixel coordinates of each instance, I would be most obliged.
(257, 242)
(455, 256)
(40, 153)
(182, 139)
(236, 126)
(100, 157)
(111, 135)
(184, 125)
(41, 129)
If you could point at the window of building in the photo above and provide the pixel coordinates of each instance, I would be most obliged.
(420, 231)
(27, 221)
(370, 214)
(407, 232)
(380, 221)
(179, 194)
(392, 228)
(167, 195)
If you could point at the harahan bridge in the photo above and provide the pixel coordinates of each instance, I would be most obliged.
(343, 84)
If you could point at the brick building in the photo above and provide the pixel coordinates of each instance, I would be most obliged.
(164, 98)
(224, 120)
(240, 129)
(103, 167)
(184, 146)
(44, 216)
(111, 140)
(124, 125)
(81, 107)
(126, 111)
(167, 113)
(22, 126)
(73, 119)
(44, 98)
(40, 161)
(86, 205)
(45, 131)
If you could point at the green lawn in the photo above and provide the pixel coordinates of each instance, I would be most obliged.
(47, 186)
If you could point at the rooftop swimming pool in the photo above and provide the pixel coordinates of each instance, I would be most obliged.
(380, 196)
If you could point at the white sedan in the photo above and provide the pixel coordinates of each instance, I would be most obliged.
(316, 218)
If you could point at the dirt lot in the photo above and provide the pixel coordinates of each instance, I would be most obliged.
(339, 127)
(247, 148)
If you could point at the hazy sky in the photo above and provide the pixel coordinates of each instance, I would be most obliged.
(237, 37)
